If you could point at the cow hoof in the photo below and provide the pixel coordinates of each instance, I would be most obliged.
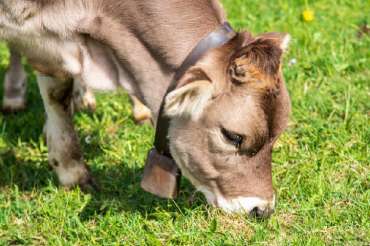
(74, 174)
(144, 121)
(89, 185)
(13, 105)
(84, 101)
(142, 115)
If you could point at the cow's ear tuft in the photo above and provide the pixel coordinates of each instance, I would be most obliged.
(280, 39)
(191, 98)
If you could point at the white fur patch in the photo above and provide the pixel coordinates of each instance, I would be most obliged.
(285, 42)
(242, 204)
(236, 205)
(13, 103)
(210, 196)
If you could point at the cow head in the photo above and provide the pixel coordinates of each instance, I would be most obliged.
(226, 114)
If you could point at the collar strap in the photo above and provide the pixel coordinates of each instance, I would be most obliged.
(161, 174)
(213, 40)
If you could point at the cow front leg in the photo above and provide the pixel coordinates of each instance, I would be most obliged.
(14, 84)
(65, 155)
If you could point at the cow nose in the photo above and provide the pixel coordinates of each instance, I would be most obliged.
(261, 213)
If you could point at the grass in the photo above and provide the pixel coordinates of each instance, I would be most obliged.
(320, 165)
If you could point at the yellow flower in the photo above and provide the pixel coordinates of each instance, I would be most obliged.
(308, 15)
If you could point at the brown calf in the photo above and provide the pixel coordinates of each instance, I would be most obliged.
(225, 118)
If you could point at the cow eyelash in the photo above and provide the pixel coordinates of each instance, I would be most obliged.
(232, 137)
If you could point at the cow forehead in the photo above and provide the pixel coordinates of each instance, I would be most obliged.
(236, 111)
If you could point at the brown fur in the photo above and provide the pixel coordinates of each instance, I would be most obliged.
(237, 87)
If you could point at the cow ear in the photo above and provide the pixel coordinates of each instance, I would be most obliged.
(258, 57)
(280, 39)
(190, 99)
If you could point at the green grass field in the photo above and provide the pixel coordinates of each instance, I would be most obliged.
(320, 165)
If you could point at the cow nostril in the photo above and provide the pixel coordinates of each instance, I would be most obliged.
(253, 212)
(259, 213)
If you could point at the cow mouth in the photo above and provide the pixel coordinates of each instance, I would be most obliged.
(250, 205)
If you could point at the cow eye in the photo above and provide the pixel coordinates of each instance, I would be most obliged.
(232, 137)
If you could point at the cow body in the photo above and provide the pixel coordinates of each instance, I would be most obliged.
(148, 40)
(101, 73)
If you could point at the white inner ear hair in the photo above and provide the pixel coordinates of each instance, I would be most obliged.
(285, 42)
(189, 101)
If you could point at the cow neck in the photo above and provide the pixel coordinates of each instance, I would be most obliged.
(215, 39)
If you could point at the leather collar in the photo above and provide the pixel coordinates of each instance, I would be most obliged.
(161, 174)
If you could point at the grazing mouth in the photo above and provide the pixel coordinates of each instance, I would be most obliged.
(244, 205)
(251, 205)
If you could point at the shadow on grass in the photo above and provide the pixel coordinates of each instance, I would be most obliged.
(119, 188)
(124, 194)
(26, 175)
(120, 184)
(19, 128)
